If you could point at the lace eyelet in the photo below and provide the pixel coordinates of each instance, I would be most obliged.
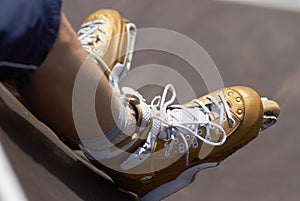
(195, 143)
(167, 152)
(181, 148)
(231, 122)
(208, 137)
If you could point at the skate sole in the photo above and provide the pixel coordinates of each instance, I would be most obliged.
(183, 180)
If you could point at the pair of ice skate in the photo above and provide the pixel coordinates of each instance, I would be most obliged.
(170, 143)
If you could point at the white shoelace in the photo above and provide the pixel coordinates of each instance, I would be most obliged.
(165, 115)
(87, 36)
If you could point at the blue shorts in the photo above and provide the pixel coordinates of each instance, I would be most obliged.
(28, 29)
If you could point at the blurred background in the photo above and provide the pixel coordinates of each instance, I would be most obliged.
(253, 43)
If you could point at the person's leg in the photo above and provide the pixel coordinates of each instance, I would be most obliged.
(48, 91)
(49, 95)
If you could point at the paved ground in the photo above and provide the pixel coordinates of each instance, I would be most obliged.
(252, 46)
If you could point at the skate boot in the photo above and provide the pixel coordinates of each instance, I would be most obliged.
(109, 39)
(171, 143)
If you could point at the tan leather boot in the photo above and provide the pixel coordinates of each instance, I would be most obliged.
(174, 142)
(109, 39)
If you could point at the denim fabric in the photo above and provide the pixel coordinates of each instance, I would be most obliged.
(28, 29)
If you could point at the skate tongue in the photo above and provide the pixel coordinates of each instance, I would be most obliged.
(186, 115)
